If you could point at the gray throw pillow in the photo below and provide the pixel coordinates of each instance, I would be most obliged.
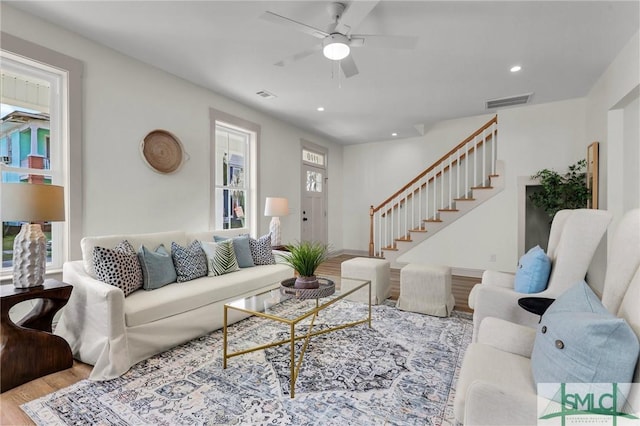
(579, 341)
(157, 267)
(190, 261)
(241, 248)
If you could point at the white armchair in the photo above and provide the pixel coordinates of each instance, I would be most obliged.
(496, 385)
(573, 239)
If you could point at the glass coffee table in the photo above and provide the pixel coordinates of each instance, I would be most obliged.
(267, 305)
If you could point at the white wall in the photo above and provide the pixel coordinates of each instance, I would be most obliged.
(124, 99)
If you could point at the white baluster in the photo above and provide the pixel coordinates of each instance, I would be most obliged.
(435, 193)
(458, 176)
(494, 142)
(484, 158)
(466, 170)
(450, 176)
(442, 185)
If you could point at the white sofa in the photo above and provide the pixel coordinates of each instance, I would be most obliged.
(113, 332)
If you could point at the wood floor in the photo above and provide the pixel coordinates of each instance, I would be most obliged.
(10, 401)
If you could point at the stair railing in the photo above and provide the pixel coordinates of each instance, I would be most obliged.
(452, 178)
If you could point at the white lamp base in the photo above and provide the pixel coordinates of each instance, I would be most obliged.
(274, 230)
(29, 256)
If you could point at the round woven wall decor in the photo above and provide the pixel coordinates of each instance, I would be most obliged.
(162, 151)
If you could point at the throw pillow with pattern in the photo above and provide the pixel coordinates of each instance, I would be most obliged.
(119, 267)
(261, 250)
(190, 261)
(221, 258)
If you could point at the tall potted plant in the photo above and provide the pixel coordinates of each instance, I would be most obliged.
(562, 191)
(305, 257)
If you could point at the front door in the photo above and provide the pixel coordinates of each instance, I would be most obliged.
(314, 191)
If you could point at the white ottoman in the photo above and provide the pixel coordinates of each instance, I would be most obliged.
(366, 268)
(426, 289)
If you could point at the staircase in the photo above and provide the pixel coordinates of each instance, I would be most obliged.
(461, 180)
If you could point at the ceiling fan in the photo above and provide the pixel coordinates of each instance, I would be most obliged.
(337, 40)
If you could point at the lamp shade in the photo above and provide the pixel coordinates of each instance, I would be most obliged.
(25, 202)
(276, 207)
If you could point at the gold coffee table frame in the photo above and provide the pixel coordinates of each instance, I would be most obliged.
(313, 312)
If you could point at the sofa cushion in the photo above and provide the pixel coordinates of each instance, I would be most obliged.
(579, 341)
(157, 267)
(110, 241)
(143, 307)
(221, 258)
(261, 250)
(118, 267)
(533, 271)
(190, 261)
(242, 249)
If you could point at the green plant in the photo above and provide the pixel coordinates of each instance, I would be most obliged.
(557, 192)
(305, 257)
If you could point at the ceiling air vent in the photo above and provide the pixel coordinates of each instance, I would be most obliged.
(507, 102)
(266, 95)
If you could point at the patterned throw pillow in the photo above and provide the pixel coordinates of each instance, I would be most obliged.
(242, 249)
(190, 261)
(261, 250)
(221, 258)
(118, 267)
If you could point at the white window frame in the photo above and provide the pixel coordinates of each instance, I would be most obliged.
(65, 127)
(220, 118)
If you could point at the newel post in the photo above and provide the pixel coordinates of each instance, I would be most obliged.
(371, 245)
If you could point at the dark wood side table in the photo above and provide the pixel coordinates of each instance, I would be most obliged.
(28, 350)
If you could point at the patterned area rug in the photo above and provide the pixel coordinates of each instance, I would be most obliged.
(402, 371)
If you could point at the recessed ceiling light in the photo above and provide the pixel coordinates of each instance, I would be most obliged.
(320, 109)
(516, 68)
(394, 134)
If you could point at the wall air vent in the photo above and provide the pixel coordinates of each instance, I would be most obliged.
(266, 95)
(509, 101)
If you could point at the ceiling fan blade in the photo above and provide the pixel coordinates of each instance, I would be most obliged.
(298, 26)
(300, 55)
(348, 66)
(389, 42)
(354, 15)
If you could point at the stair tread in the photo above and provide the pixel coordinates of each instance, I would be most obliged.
(418, 230)
(494, 175)
(390, 248)
(448, 210)
(482, 187)
(464, 199)
(404, 239)
(432, 220)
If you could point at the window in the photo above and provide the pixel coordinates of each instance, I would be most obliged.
(234, 176)
(40, 90)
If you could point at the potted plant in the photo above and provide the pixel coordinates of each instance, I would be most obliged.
(305, 257)
(567, 191)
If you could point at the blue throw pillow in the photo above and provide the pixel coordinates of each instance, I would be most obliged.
(157, 267)
(241, 248)
(533, 271)
(579, 341)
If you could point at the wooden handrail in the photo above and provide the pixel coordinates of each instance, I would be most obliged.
(435, 176)
(489, 123)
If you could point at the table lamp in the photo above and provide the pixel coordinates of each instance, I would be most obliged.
(25, 202)
(275, 207)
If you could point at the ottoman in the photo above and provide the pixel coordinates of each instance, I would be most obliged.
(366, 268)
(426, 289)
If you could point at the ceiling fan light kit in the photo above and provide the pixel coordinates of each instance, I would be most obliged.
(336, 47)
